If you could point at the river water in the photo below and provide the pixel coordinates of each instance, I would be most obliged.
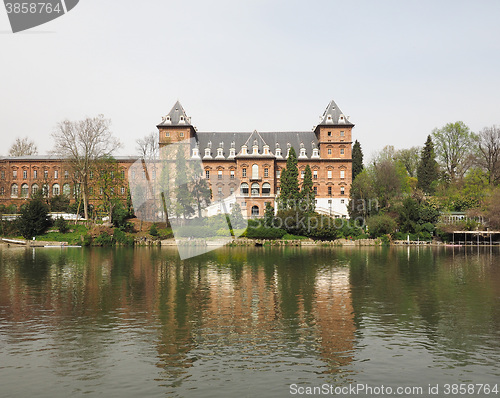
(249, 322)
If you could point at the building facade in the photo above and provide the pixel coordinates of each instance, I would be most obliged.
(248, 165)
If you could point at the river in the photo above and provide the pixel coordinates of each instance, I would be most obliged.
(249, 322)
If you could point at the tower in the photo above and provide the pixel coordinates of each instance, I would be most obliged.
(175, 126)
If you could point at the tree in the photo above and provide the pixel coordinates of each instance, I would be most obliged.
(489, 152)
(148, 147)
(357, 159)
(289, 188)
(34, 219)
(307, 191)
(82, 143)
(237, 220)
(23, 147)
(410, 159)
(106, 180)
(183, 196)
(428, 170)
(268, 215)
(454, 143)
(201, 193)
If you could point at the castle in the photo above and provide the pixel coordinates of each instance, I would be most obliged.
(245, 165)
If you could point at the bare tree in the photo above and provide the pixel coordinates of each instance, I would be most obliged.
(409, 158)
(148, 147)
(23, 147)
(489, 152)
(82, 143)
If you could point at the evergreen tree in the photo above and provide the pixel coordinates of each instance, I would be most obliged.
(307, 191)
(427, 171)
(357, 159)
(268, 215)
(34, 219)
(237, 220)
(289, 188)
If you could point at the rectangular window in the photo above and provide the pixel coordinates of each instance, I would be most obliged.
(266, 172)
(243, 204)
(56, 174)
(45, 174)
(243, 172)
(315, 174)
(329, 190)
(329, 134)
(342, 190)
(122, 190)
(231, 190)
(232, 174)
(329, 151)
(342, 151)
(91, 174)
(315, 190)
(278, 173)
(14, 174)
(122, 173)
(35, 173)
(66, 174)
(181, 134)
(2, 174)
(207, 174)
(167, 134)
(219, 174)
(25, 174)
(342, 201)
(342, 133)
(342, 174)
(329, 174)
(302, 173)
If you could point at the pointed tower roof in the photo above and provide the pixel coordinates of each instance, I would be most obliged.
(176, 117)
(334, 116)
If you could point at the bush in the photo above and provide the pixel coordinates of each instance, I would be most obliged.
(381, 224)
(121, 237)
(8, 228)
(62, 225)
(34, 219)
(265, 233)
(104, 239)
(153, 230)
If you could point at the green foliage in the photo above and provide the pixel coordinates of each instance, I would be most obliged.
(104, 239)
(268, 215)
(237, 220)
(381, 224)
(34, 219)
(307, 191)
(263, 232)
(201, 193)
(73, 237)
(11, 209)
(8, 228)
(120, 214)
(428, 169)
(62, 225)
(357, 159)
(322, 227)
(183, 197)
(293, 237)
(453, 144)
(289, 188)
(153, 230)
(122, 238)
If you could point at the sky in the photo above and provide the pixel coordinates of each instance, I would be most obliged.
(399, 69)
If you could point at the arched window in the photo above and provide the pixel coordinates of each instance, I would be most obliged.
(34, 189)
(244, 189)
(45, 190)
(24, 190)
(266, 189)
(14, 190)
(255, 189)
(255, 172)
(56, 190)
(255, 211)
(66, 189)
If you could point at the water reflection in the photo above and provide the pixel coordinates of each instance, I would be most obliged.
(245, 319)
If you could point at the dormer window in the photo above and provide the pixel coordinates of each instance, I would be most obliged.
(232, 152)
(255, 149)
(266, 149)
(278, 152)
(220, 152)
(244, 150)
(315, 153)
(196, 153)
(302, 153)
(207, 153)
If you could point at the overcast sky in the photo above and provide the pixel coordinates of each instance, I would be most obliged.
(397, 68)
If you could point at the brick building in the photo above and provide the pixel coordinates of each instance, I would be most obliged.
(249, 164)
(243, 165)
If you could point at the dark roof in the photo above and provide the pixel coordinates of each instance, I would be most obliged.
(238, 139)
(176, 117)
(334, 116)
